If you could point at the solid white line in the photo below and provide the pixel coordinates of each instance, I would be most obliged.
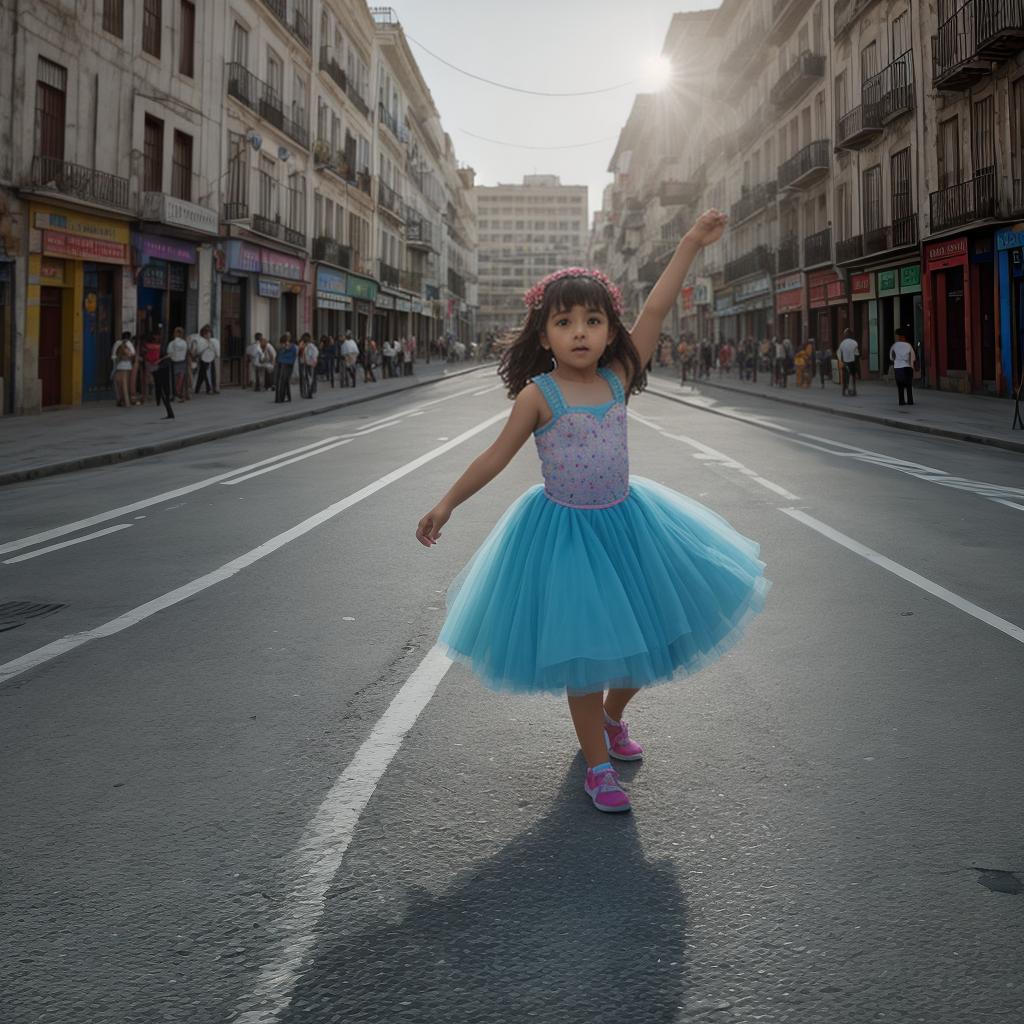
(1010, 504)
(130, 618)
(1011, 630)
(280, 465)
(320, 850)
(102, 517)
(68, 543)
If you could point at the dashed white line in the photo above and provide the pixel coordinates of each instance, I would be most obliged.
(68, 543)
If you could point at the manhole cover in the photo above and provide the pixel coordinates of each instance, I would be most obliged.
(16, 613)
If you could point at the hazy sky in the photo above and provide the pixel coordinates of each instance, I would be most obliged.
(548, 45)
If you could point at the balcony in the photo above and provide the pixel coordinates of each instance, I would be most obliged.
(327, 250)
(411, 281)
(419, 233)
(811, 164)
(388, 199)
(759, 261)
(807, 69)
(965, 202)
(357, 98)
(80, 182)
(743, 49)
(296, 130)
(298, 26)
(789, 254)
(678, 193)
(390, 276)
(786, 14)
(386, 118)
(266, 225)
(860, 127)
(850, 250)
(752, 202)
(236, 211)
(336, 162)
(263, 99)
(846, 12)
(893, 88)
(818, 248)
(978, 33)
(901, 234)
(332, 68)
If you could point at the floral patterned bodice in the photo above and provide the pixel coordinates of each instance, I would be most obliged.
(582, 449)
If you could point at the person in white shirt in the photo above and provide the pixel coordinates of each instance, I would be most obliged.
(779, 363)
(308, 355)
(207, 352)
(266, 360)
(849, 353)
(123, 357)
(386, 351)
(904, 360)
(177, 351)
(350, 356)
(252, 358)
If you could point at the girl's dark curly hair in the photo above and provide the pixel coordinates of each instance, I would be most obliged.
(524, 358)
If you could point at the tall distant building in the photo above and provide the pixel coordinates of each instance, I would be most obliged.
(525, 231)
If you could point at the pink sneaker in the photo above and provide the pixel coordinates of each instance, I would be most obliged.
(620, 746)
(606, 791)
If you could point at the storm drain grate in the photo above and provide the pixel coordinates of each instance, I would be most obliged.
(16, 613)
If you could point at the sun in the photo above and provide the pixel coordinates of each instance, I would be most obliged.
(657, 73)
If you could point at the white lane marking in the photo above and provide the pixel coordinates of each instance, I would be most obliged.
(130, 618)
(319, 852)
(487, 391)
(1004, 626)
(706, 404)
(102, 517)
(68, 543)
(709, 454)
(287, 462)
(1010, 504)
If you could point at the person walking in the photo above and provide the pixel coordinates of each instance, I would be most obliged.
(159, 366)
(252, 357)
(325, 364)
(177, 352)
(779, 363)
(675, 581)
(849, 353)
(904, 363)
(824, 363)
(286, 356)
(350, 359)
(684, 358)
(369, 359)
(408, 355)
(207, 354)
(123, 357)
(308, 357)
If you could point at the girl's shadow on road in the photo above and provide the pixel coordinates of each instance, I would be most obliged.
(567, 923)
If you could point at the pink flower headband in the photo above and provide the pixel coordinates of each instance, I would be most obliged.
(534, 298)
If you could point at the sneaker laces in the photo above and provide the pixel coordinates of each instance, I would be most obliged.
(608, 782)
(620, 732)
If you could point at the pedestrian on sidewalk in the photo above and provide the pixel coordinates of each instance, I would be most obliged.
(849, 354)
(824, 363)
(408, 355)
(350, 358)
(369, 361)
(177, 352)
(151, 353)
(597, 579)
(286, 356)
(325, 364)
(266, 361)
(207, 354)
(309, 354)
(123, 356)
(161, 372)
(684, 358)
(904, 363)
(779, 363)
(252, 358)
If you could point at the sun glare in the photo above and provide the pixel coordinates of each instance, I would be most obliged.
(657, 73)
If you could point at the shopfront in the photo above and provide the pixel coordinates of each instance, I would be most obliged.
(947, 301)
(789, 306)
(900, 308)
(75, 282)
(754, 299)
(1010, 255)
(827, 301)
(331, 303)
(727, 315)
(864, 314)
(167, 285)
(363, 293)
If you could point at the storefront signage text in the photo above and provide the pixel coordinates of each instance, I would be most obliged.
(78, 247)
(152, 247)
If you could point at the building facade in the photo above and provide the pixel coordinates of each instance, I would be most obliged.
(869, 154)
(259, 165)
(525, 232)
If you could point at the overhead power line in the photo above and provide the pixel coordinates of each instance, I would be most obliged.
(518, 145)
(514, 88)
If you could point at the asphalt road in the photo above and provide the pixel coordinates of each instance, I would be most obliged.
(214, 809)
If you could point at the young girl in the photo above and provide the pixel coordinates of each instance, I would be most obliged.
(596, 580)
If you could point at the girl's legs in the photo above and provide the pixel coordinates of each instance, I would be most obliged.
(587, 711)
(616, 701)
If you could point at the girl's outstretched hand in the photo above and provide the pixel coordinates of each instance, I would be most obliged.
(709, 227)
(429, 529)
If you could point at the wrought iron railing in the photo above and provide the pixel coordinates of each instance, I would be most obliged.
(789, 254)
(419, 230)
(327, 250)
(296, 131)
(850, 249)
(859, 124)
(390, 275)
(760, 260)
(389, 198)
(797, 78)
(812, 157)
(266, 225)
(332, 68)
(357, 98)
(753, 201)
(236, 211)
(818, 248)
(964, 202)
(80, 182)
(893, 88)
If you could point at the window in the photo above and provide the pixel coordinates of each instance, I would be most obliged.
(949, 153)
(840, 100)
(113, 17)
(844, 219)
(983, 146)
(275, 78)
(153, 155)
(901, 186)
(238, 177)
(187, 48)
(181, 167)
(900, 35)
(151, 27)
(868, 62)
(51, 88)
(268, 188)
(1017, 123)
(240, 44)
(297, 202)
(872, 195)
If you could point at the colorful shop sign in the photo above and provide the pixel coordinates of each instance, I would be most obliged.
(269, 288)
(45, 218)
(862, 286)
(899, 281)
(362, 287)
(1006, 240)
(330, 290)
(946, 254)
(153, 247)
(80, 247)
(243, 257)
(280, 264)
(818, 287)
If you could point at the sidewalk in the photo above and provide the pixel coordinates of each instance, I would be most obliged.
(99, 433)
(976, 418)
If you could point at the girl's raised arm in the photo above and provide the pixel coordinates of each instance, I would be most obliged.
(484, 468)
(645, 331)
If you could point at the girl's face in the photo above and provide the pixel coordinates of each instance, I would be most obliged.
(576, 337)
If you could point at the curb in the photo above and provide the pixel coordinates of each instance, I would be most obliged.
(921, 428)
(111, 458)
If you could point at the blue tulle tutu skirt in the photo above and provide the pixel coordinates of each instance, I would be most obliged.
(561, 599)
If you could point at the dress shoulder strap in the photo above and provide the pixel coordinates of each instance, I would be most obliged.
(613, 382)
(552, 394)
